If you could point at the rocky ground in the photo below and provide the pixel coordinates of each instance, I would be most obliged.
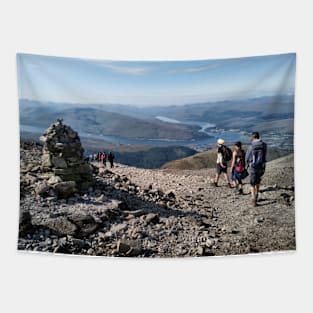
(155, 213)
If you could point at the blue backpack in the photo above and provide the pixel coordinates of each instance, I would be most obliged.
(258, 157)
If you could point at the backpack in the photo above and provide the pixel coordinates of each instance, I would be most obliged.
(226, 153)
(240, 163)
(258, 158)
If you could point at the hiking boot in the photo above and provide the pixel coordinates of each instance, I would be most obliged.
(215, 184)
(240, 191)
(229, 185)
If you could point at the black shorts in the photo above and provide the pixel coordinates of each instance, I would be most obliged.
(255, 176)
(220, 169)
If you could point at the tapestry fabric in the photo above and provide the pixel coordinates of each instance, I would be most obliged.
(156, 158)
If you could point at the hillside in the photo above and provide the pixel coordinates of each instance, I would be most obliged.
(154, 157)
(271, 112)
(156, 213)
(142, 156)
(207, 159)
(94, 121)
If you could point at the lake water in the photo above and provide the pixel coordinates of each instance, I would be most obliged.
(204, 126)
(210, 129)
(230, 136)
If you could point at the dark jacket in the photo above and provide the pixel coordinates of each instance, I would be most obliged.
(256, 144)
(111, 157)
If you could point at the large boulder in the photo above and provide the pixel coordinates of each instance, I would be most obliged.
(59, 225)
(65, 189)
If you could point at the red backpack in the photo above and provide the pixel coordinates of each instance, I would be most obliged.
(240, 162)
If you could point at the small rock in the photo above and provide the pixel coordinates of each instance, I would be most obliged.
(42, 189)
(135, 213)
(131, 248)
(102, 198)
(152, 218)
(116, 204)
(209, 243)
(54, 180)
(259, 219)
(90, 251)
(85, 223)
(206, 222)
(117, 228)
(105, 235)
(170, 194)
(35, 168)
(79, 243)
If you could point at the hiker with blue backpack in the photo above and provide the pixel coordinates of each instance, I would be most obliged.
(224, 155)
(256, 160)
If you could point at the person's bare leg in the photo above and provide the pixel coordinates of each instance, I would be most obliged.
(217, 176)
(227, 179)
(257, 188)
(253, 195)
(240, 188)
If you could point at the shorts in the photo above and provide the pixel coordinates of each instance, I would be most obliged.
(220, 169)
(236, 176)
(255, 176)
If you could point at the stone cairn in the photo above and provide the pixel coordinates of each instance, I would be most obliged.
(63, 157)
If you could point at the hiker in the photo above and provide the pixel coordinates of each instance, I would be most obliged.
(99, 158)
(238, 166)
(111, 158)
(256, 160)
(104, 159)
(224, 155)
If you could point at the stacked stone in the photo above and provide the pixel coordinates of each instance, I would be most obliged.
(63, 156)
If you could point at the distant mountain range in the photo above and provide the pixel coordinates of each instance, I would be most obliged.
(139, 122)
(273, 116)
(97, 121)
(245, 114)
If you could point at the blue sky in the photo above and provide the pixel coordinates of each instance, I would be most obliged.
(74, 80)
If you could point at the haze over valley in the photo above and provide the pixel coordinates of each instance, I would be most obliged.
(132, 131)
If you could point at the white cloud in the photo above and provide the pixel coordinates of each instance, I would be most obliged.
(202, 68)
(123, 69)
(128, 70)
(194, 69)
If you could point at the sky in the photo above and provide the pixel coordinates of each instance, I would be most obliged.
(144, 83)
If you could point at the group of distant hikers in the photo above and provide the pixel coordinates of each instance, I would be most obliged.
(243, 164)
(102, 158)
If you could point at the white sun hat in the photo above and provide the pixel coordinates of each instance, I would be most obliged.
(221, 141)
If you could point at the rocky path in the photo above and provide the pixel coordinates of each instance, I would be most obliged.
(156, 213)
(233, 225)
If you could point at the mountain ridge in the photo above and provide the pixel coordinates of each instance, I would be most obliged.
(207, 159)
